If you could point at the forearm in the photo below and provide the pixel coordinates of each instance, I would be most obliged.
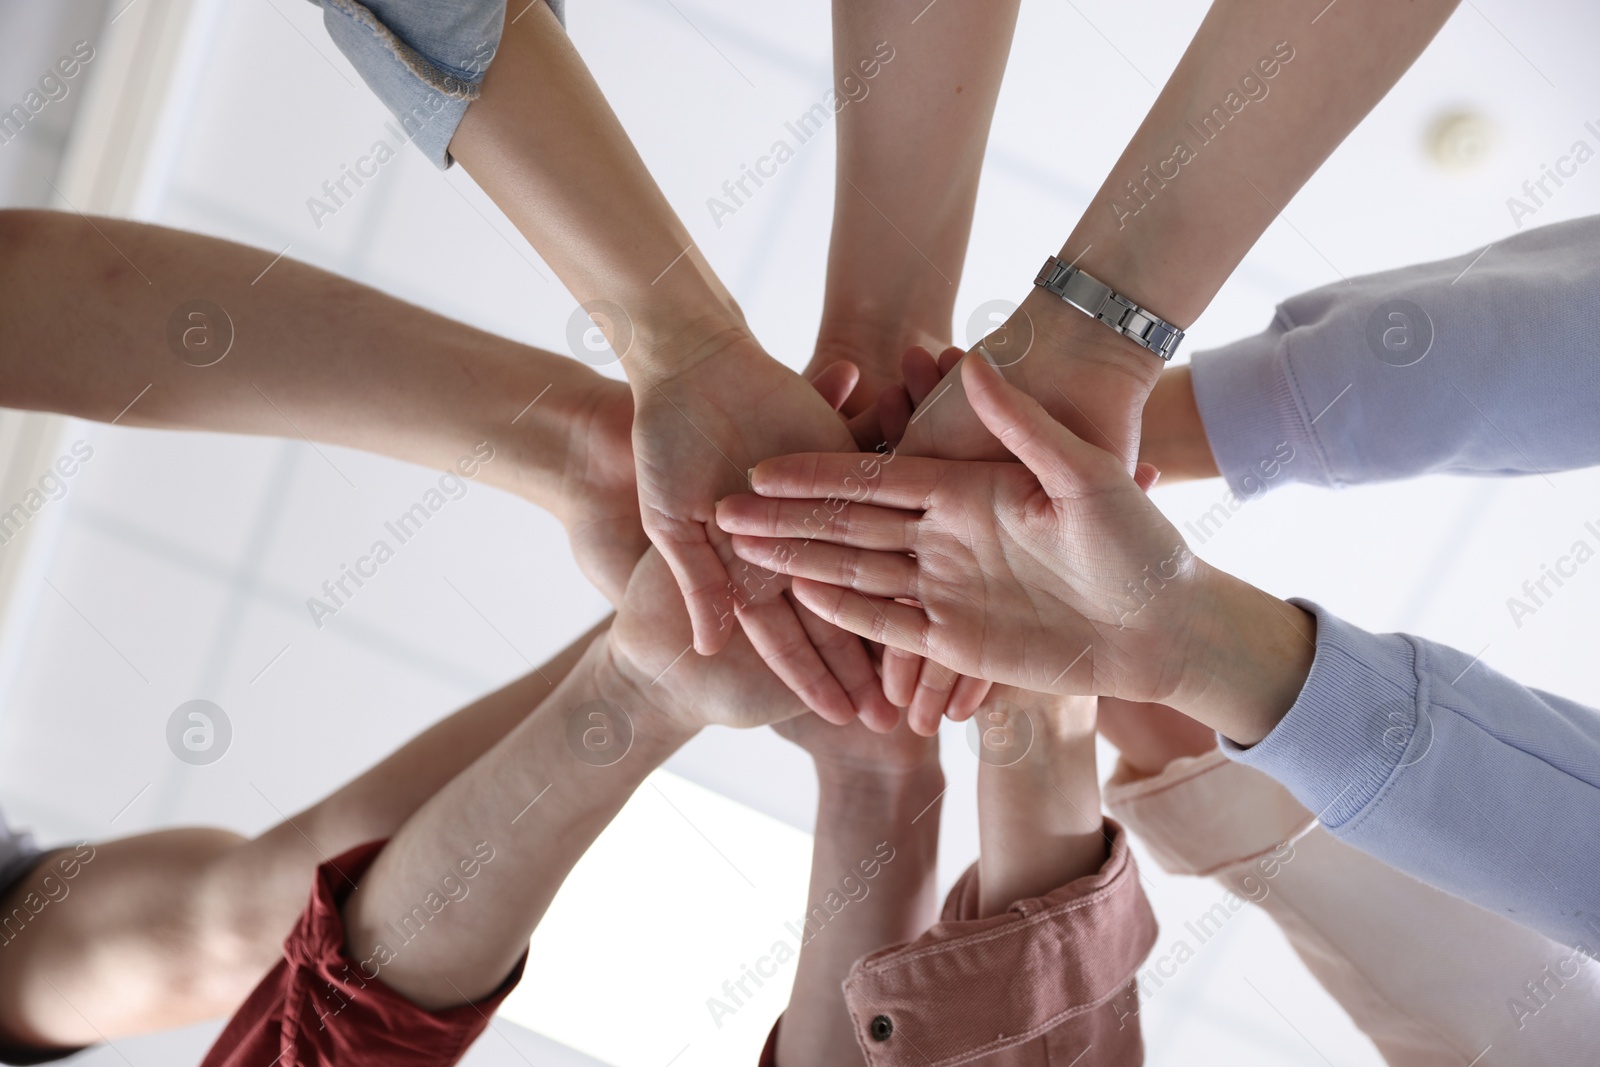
(301, 352)
(544, 144)
(505, 832)
(921, 86)
(173, 927)
(1039, 815)
(1262, 96)
(872, 885)
(1171, 434)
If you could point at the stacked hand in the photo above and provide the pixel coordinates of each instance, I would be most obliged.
(1058, 575)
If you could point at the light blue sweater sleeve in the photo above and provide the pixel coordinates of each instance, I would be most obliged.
(1409, 750)
(1488, 363)
(1443, 768)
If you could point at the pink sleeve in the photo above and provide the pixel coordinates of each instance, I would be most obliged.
(1048, 980)
(1429, 977)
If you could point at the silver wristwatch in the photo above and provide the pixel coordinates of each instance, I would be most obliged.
(1100, 301)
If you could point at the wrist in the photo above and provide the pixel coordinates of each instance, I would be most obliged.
(1172, 436)
(656, 730)
(665, 345)
(567, 417)
(1249, 661)
(1059, 330)
(876, 785)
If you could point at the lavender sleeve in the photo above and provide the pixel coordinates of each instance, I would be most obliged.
(1439, 766)
(1482, 364)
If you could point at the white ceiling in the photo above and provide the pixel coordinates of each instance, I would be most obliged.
(192, 554)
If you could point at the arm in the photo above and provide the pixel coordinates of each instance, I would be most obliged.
(910, 155)
(1408, 750)
(638, 666)
(1458, 366)
(1264, 93)
(168, 928)
(912, 147)
(708, 402)
(1428, 976)
(1038, 808)
(306, 352)
(875, 849)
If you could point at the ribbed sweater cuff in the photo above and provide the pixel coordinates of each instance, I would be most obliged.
(1252, 413)
(1352, 725)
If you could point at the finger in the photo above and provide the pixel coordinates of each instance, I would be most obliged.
(1146, 475)
(884, 574)
(836, 382)
(920, 371)
(704, 581)
(858, 525)
(900, 671)
(846, 656)
(779, 638)
(1055, 455)
(965, 698)
(934, 686)
(892, 480)
(948, 359)
(894, 412)
(884, 621)
(866, 426)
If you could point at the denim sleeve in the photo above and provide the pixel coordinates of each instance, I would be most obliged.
(1482, 364)
(425, 60)
(1425, 758)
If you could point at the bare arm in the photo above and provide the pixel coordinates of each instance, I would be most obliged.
(1038, 797)
(301, 351)
(872, 873)
(168, 928)
(638, 667)
(708, 401)
(1170, 239)
(921, 84)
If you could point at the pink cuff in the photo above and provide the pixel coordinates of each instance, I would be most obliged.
(1048, 979)
(1206, 814)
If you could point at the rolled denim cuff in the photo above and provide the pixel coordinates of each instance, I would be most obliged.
(425, 61)
(1044, 981)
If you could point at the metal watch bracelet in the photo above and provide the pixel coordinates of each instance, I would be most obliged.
(1098, 300)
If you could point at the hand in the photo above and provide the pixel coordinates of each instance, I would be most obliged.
(927, 689)
(1058, 576)
(874, 349)
(597, 498)
(651, 656)
(1089, 378)
(854, 750)
(597, 495)
(696, 432)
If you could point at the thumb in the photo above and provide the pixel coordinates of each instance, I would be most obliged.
(1060, 459)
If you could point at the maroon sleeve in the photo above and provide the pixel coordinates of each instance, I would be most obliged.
(769, 1051)
(1050, 979)
(320, 1008)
